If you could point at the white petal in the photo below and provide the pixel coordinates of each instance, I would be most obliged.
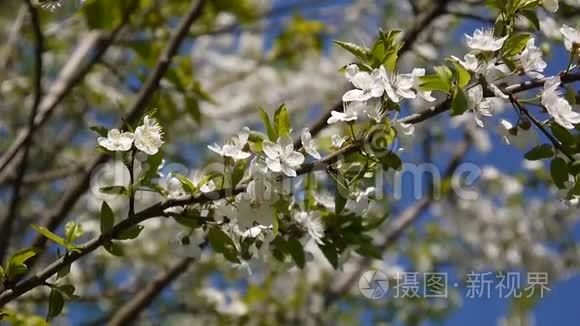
(274, 164)
(294, 159)
(272, 150)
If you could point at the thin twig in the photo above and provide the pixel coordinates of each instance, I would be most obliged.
(6, 226)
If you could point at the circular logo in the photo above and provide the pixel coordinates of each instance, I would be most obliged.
(373, 284)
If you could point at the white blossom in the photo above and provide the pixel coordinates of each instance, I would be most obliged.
(479, 105)
(557, 106)
(366, 88)
(484, 40)
(337, 141)
(417, 73)
(397, 87)
(234, 147)
(309, 144)
(281, 156)
(531, 60)
(350, 71)
(470, 62)
(312, 223)
(116, 140)
(148, 136)
(197, 177)
(51, 5)
(352, 111)
(571, 38)
(359, 204)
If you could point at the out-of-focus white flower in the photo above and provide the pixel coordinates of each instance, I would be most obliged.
(250, 211)
(479, 105)
(557, 106)
(175, 191)
(234, 147)
(531, 60)
(484, 40)
(571, 38)
(404, 133)
(309, 144)
(116, 140)
(312, 223)
(281, 156)
(397, 87)
(148, 136)
(253, 232)
(366, 88)
(550, 27)
(550, 5)
(417, 73)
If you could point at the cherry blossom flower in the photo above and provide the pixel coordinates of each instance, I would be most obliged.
(531, 60)
(366, 88)
(234, 147)
(309, 144)
(484, 40)
(352, 111)
(197, 178)
(51, 5)
(361, 201)
(557, 106)
(148, 136)
(312, 223)
(417, 73)
(350, 71)
(550, 5)
(249, 211)
(337, 141)
(479, 105)
(117, 141)
(281, 156)
(471, 63)
(175, 191)
(397, 87)
(571, 38)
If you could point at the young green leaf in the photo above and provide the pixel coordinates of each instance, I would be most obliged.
(55, 303)
(16, 263)
(114, 249)
(540, 152)
(130, 233)
(459, 103)
(107, 218)
(559, 172)
(113, 190)
(187, 184)
(282, 121)
(50, 235)
(358, 51)
(296, 251)
(222, 243)
(272, 133)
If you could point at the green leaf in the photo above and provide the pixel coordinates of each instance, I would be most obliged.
(575, 191)
(532, 17)
(540, 152)
(52, 236)
(563, 135)
(100, 130)
(462, 76)
(67, 290)
(187, 184)
(72, 231)
(296, 251)
(559, 172)
(282, 121)
(359, 52)
(515, 44)
(341, 194)
(130, 233)
(459, 103)
(16, 263)
(151, 168)
(55, 304)
(368, 250)
(434, 83)
(113, 190)
(222, 243)
(445, 74)
(391, 161)
(238, 172)
(2, 275)
(107, 218)
(330, 253)
(272, 134)
(114, 248)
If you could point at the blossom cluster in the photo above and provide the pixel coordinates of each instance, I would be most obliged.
(147, 138)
